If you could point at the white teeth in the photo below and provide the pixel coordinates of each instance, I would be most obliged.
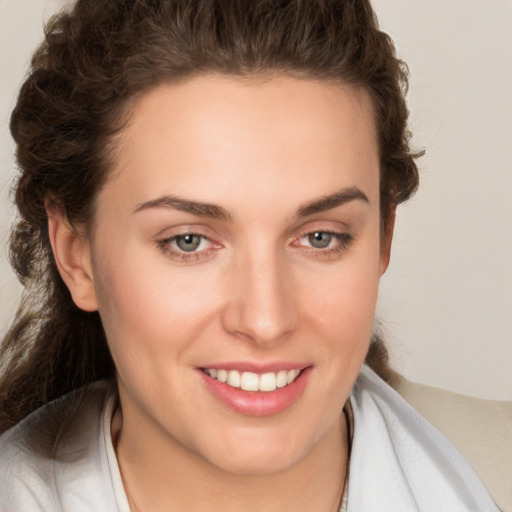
(234, 378)
(292, 375)
(282, 379)
(250, 381)
(268, 382)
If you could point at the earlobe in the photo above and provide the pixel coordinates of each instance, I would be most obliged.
(71, 251)
(385, 248)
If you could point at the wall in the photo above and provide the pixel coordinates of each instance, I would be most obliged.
(446, 301)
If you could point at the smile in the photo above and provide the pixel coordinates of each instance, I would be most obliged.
(249, 381)
(249, 390)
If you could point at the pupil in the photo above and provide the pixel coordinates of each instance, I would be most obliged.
(188, 243)
(320, 239)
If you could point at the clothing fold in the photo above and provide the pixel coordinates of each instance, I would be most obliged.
(61, 458)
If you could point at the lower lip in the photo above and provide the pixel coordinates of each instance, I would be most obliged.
(258, 403)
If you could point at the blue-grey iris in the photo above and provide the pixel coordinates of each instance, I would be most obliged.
(188, 243)
(320, 239)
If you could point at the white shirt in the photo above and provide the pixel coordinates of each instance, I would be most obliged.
(399, 462)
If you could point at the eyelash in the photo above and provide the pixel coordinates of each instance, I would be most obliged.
(343, 241)
(166, 245)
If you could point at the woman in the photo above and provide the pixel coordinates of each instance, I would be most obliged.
(207, 200)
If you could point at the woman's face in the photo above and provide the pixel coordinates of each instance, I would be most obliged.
(238, 238)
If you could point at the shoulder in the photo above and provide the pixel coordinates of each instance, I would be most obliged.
(49, 454)
(411, 465)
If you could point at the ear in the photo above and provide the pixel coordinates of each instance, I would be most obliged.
(72, 254)
(385, 246)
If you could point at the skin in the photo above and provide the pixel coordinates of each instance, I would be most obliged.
(255, 290)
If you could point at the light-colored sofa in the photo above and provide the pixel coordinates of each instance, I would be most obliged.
(480, 429)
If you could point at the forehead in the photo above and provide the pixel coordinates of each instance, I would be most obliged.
(212, 135)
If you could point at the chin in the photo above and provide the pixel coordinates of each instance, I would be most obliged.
(256, 464)
(246, 454)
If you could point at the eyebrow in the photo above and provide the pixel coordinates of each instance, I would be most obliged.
(213, 211)
(331, 201)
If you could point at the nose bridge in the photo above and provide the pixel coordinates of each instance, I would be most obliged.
(263, 307)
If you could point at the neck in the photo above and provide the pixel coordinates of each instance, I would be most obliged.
(160, 474)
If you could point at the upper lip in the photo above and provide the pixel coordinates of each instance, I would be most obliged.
(260, 368)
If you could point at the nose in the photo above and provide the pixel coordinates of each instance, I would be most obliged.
(262, 305)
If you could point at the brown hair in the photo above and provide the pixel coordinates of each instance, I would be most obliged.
(98, 56)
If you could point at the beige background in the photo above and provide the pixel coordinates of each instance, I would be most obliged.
(446, 302)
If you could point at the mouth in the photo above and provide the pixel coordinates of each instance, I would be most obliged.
(257, 393)
(249, 381)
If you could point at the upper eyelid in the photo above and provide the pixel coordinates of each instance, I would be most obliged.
(173, 238)
(193, 233)
(172, 232)
(329, 231)
(308, 230)
(341, 236)
(301, 232)
(324, 224)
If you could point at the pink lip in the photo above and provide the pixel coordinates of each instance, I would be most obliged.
(258, 403)
(244, 366)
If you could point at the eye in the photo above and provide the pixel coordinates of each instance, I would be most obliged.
(188, 243)
(320, 239)
(324, 243)
(187, 246)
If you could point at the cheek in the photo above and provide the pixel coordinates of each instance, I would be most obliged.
(345, 297)
(150, 310)
(340, 316)
(341, 309)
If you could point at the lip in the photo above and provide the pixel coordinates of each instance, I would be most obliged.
(245, 366)
(258, 403)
